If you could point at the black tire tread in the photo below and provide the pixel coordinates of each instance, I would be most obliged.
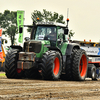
(75, 64)
(11, 64)
(47, 63)
(68, 69)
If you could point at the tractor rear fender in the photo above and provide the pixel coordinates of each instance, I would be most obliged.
(70, 47)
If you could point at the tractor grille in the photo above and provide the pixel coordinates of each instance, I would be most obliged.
(33, 46)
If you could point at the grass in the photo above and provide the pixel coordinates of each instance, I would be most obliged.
(2, 74)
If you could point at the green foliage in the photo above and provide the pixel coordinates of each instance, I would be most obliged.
(35, 15)
(71, 34)
(8, 21)
(46, 16)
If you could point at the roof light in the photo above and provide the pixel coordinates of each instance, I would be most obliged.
(38, 18)
(67, 19)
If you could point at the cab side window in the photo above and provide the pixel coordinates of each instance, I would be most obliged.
(60, 33)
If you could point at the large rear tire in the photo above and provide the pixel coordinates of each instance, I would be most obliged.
(51, 65)
(11, 65)
(79, 65)
(68, 69)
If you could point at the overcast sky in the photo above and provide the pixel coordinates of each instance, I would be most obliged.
(84, 15)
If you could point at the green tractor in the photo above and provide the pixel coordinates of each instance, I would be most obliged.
(47, 54)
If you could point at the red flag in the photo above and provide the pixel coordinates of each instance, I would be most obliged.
(0, 32)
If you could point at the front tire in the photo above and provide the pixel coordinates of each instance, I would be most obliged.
(51, 65)
(11, 65)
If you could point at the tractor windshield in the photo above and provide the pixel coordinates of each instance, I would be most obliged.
(46, 33)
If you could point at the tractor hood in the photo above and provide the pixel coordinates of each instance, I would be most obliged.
(38, 47)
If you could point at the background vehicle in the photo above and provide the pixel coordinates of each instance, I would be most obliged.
(2, 62)
(87, 43)
(47, 54)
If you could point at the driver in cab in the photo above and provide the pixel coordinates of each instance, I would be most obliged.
(52, 35)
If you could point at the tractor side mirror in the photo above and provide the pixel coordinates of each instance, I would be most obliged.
(20, 29)
(26, 38)
(66, 30)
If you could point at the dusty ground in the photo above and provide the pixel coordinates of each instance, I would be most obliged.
(19, 89)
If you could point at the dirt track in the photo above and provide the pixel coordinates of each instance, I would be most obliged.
(39, 89)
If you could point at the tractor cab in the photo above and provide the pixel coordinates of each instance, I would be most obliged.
(49, 31)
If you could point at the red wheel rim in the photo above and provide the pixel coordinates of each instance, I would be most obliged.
(56, 66)
(19, 70)
(83, 66)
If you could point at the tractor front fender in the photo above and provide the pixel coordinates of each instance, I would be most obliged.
(56, 49)
(17, 47)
